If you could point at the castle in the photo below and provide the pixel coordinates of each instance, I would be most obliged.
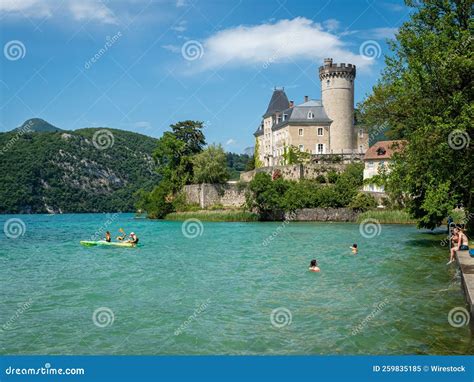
(318, 127)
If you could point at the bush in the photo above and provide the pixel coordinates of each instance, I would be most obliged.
(332, 176)
(321, 179)
(363, 202)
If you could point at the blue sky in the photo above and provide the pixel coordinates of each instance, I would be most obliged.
(158, 62)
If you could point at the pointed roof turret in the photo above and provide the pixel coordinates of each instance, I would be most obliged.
(278, 102)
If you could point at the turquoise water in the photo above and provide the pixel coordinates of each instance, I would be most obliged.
(215, 293)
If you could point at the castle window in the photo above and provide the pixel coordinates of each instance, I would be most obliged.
(300, 132)
(320, 131)
(370, 164)
(301, 147)
(328, 82)
(361, 149)
(320, 148)
(285, 116)
(310, 115)
(361, 133)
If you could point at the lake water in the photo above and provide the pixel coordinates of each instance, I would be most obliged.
(224, 288)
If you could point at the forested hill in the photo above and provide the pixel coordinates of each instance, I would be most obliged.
(48, 170)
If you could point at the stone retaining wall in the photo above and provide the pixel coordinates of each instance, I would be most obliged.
(206, 195)
(297, 171)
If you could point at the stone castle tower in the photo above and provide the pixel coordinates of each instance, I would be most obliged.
(337, 94)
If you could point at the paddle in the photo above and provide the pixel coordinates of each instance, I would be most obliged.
(124, 234)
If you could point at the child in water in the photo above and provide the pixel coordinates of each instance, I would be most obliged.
(313, 266)
(354, 249)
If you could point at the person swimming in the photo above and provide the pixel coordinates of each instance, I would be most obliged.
(354, 249)
(313, 266)
(108, 238)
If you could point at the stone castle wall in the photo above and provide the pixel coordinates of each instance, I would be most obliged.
(207, 195)
(296, 172)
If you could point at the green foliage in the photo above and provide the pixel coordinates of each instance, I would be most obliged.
(387, 216)
(425, 96)
(237, 163)
(349, 182)
(217, 216)
(159, 202)
(293, 155)
(267, 196)
(332, 176)
(363, 202)
(64, 171)
(257, 162)
(321, 179)
(210, 165)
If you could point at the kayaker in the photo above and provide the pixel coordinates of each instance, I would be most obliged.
(133, 239)
(108, 238)
(123, 236)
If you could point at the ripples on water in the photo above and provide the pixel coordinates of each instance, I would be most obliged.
(215, 294)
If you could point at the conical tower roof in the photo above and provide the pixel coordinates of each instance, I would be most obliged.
(278, 102)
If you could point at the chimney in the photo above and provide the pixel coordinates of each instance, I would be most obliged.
(328, 62)
(306, 98)
(292, 103)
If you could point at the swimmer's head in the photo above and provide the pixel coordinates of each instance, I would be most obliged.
(313, 263)
(354, 245)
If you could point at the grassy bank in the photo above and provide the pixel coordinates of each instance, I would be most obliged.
(387, 217)
(214, 216)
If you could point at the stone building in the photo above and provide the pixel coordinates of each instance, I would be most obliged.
(377, 159)
(319, 127)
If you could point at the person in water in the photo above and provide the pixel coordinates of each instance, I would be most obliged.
(108, 238)
(133, 239)
(313, 266)
(354, 249)
(122, 236)
(462, 244)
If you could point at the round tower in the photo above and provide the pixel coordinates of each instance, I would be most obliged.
(337, 94)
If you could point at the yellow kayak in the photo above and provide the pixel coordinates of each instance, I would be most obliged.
(106, 243)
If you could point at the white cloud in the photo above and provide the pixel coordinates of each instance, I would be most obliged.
(91, 10)
(77, 9)
(231, 142)
(331, 25)
(172, 48)
(27, 8)
(180, 27)
(283, 41)
(181, 3)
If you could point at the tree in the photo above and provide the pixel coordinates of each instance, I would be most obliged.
(293, 155)
(425, 96)
(190, 132)
(210, 166)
